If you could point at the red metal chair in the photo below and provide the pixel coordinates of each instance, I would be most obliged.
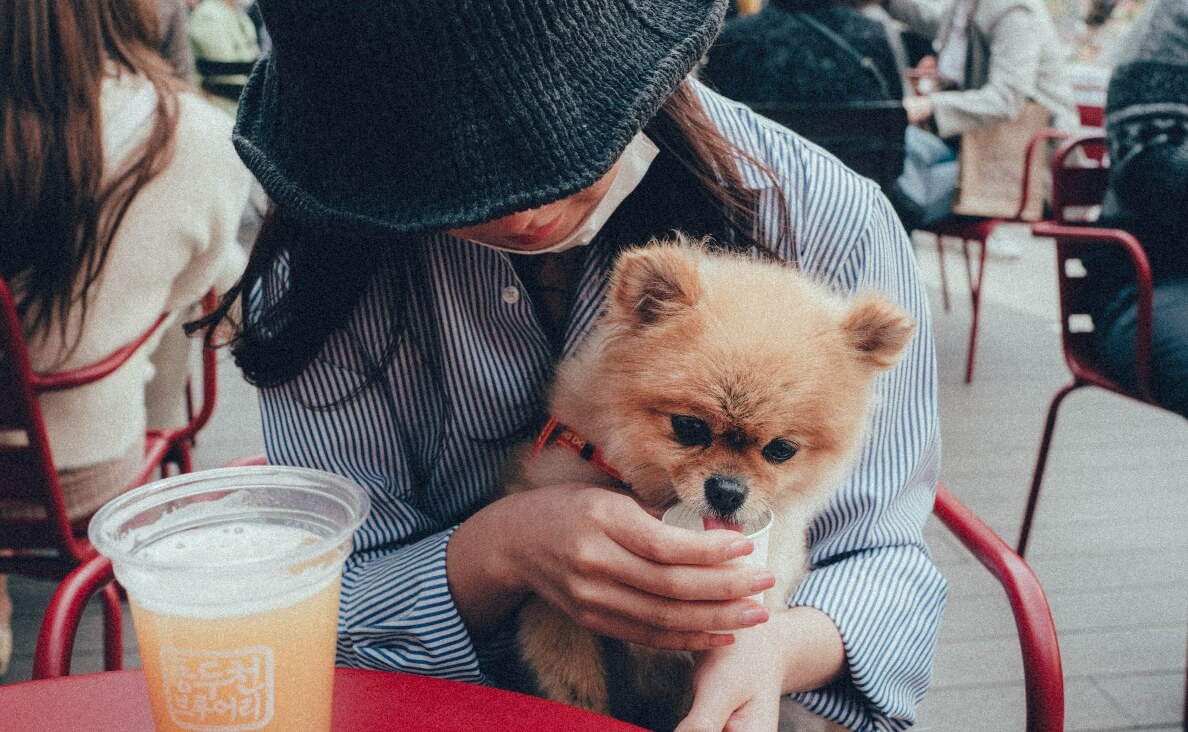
(1074, 190)
(1038, 644)
(970, 230)
(59, 626)
(1042, 672)
(39, 538)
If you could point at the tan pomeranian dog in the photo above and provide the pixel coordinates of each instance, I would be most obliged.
(729, 384)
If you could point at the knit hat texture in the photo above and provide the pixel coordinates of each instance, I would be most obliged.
(1152, 60)
(390, 116)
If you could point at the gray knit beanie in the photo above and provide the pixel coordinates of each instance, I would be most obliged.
(1151, 61)
(406, 115)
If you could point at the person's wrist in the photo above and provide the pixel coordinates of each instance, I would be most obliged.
(482, 567)
(814, 653)
(498, 528)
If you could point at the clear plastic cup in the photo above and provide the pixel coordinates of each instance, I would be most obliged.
(233, 578)
(757, 530)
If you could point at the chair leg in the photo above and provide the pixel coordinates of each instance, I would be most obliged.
(181, 456)
(113, 629)
(940, 262)
(190, 408)
(1041, 461)
(975, 297)
(187, 458)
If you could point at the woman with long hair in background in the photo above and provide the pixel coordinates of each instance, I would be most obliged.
(120, 196)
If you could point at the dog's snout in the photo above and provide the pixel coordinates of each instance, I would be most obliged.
(724, 494)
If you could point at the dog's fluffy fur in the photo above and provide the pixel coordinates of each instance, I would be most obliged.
(759, 353)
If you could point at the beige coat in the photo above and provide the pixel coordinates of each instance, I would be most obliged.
(1014, 56)
(177, 240)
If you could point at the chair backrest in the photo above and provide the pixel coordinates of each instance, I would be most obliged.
(1042, 669)
(1079, 183)
(1091, 115)
(35, 516)
(866, 136)
(1079, 180)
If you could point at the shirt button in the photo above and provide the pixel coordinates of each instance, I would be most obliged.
(511, 295)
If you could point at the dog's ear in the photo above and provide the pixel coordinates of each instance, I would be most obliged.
(652, 283)
(877, 330)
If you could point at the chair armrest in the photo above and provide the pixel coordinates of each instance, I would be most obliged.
(1042, 670)
(1088, 237)
(93, 372)
(55, 642)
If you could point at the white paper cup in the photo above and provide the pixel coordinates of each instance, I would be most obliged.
(757, 530)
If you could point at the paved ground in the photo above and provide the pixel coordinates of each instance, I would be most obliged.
(1109, 542)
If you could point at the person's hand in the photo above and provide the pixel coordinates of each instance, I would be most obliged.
(738, 688)
(605, 562)
(918, 108)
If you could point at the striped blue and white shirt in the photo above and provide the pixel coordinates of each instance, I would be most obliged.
(427, 441)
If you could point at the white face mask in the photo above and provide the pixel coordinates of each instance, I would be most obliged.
(633, 165)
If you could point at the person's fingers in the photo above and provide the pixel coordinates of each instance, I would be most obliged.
(641, 535)
(754, 717)
(725, 713)
(710, 713)
(595, 591)
(695, 582)
(632, 631)
(587, 599)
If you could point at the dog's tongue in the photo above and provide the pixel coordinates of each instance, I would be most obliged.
(713, 522)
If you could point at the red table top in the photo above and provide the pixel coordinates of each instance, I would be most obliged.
(364, 701)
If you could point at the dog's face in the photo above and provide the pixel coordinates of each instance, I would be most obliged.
(730, 384)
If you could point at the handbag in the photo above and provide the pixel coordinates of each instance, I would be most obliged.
(991, 165)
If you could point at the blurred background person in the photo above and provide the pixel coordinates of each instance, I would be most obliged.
(818, 52)
(804, 52)
(994, 58)
(222, 30)
(1147, 133)
(104, 226)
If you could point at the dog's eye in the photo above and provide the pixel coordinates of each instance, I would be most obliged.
(691, 431)
(777, 451)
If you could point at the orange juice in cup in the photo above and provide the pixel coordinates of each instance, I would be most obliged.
(233, 577)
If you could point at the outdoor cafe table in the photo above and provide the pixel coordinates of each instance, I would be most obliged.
(364, 701)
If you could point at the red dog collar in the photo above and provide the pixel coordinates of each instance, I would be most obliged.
(555, 433)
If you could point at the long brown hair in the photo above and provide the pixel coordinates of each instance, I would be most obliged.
(58, 211)
(326, 272)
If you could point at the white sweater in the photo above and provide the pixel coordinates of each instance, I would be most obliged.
(176, 242)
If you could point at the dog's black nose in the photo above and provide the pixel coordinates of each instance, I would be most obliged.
(725, 495)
